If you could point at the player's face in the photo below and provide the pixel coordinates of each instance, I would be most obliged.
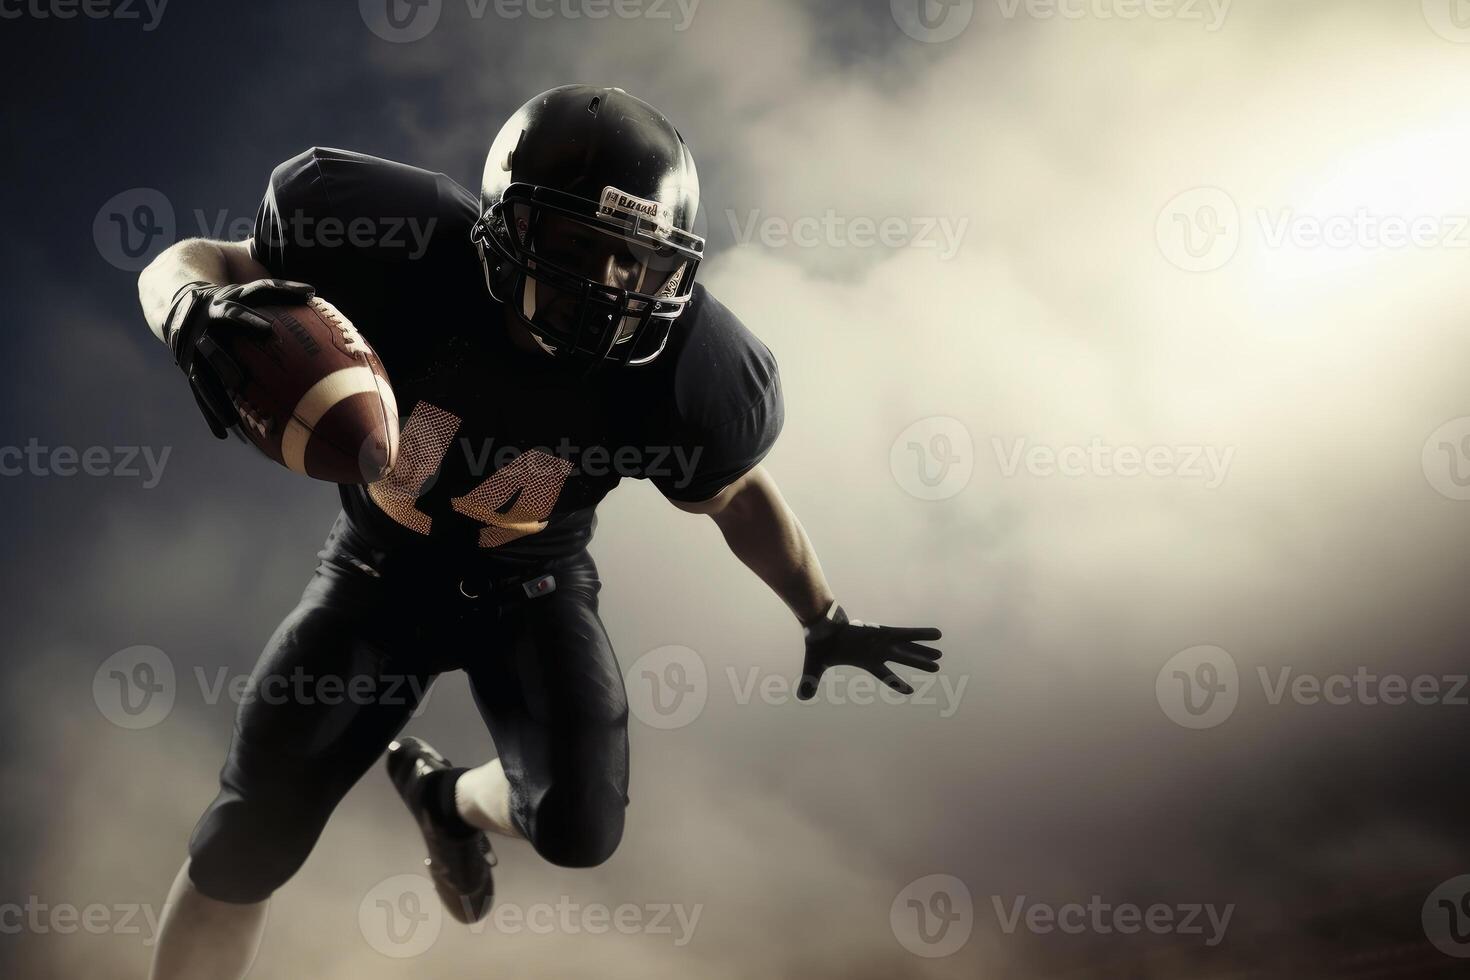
(589, 252)
(592, 253)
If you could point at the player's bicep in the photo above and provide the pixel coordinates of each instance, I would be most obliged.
(721, 501)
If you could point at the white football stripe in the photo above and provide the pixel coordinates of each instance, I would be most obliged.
(390, 406)
(317, 401)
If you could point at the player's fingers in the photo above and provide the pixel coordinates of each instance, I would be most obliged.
(208, 408)
(919, 650)
(894, 681)
(914, 660)
(807, 689)
(238, 313)
(911, 632)
(264, 291)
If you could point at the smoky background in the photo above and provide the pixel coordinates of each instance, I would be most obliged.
(1099, 233)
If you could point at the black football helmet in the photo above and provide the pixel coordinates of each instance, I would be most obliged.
(586, 224)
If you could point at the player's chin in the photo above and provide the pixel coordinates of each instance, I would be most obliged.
(559, 315)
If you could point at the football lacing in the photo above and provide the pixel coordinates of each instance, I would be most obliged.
(249, 415)
(351, 339)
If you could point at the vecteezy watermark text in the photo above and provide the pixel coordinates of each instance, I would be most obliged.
(65, 918)
(669, 686)
(401, 917)
(1200, 688)
(1207, 464)
(1103, 918)
(406, 21)
(839, 231)
(676, 464)
(124, 10)
(1210, 13)
(133, 226)
(137, 687)
(34, 459)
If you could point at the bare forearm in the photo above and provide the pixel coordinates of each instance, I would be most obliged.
(764, 533)
(192, 260)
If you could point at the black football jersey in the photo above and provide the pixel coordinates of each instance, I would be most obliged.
(503, 452)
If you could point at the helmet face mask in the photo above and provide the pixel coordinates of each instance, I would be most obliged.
(584, 282)
(599, 268)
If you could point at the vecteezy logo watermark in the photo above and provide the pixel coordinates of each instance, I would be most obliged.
(932, 21)
(1199, 230)
(1446, 917)
(37, 460)
(1446, 459)
(933, 916)
(304, 688)
(138, 687)
(405, 21)
(1198, 687)
(667, 687)
(566, 917)
(134, 688)
(934, 458)
(401, 916)
(64, 918)
(1103, 919)
(944, 235)
(90, 9)
(401, 21)
(1363, 687)
(1362, 229)
(938, 691)
(592, 10)
(1450, 19)
(1211, 13)
(670, 686)
(1207, 464)
(677, 465)
(132, 227)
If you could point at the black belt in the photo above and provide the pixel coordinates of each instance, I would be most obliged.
(475, 587)
(531, 583)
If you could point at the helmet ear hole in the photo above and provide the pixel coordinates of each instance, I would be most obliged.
(500, 274)
(502, 279)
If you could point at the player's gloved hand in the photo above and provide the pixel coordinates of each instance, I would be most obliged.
(834, 640)
(200, 312)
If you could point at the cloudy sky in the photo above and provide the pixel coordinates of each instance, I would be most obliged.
(1124, 341)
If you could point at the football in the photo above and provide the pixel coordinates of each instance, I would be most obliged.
(313, 395)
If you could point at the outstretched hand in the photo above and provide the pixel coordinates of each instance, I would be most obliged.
(835, 641)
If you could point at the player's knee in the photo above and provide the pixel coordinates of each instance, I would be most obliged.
(578, 825)
(243, 849)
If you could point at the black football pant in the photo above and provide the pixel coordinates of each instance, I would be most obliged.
(346, 669)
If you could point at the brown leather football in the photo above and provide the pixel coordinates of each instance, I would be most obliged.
(314, 397)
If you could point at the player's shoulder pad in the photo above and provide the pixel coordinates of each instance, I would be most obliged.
(381, 196)
(722, 371)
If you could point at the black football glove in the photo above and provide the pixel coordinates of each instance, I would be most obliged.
(834, 640)
(199, 314)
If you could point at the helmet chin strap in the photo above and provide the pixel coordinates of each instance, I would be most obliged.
(528, 310)
(528, 299)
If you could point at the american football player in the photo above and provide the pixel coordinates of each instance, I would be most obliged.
(548, 338)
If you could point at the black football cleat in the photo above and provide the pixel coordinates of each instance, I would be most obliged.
(459, 864)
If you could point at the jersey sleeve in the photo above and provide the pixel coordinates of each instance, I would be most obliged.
(326, 208)
(730, 411)
(366, 233)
